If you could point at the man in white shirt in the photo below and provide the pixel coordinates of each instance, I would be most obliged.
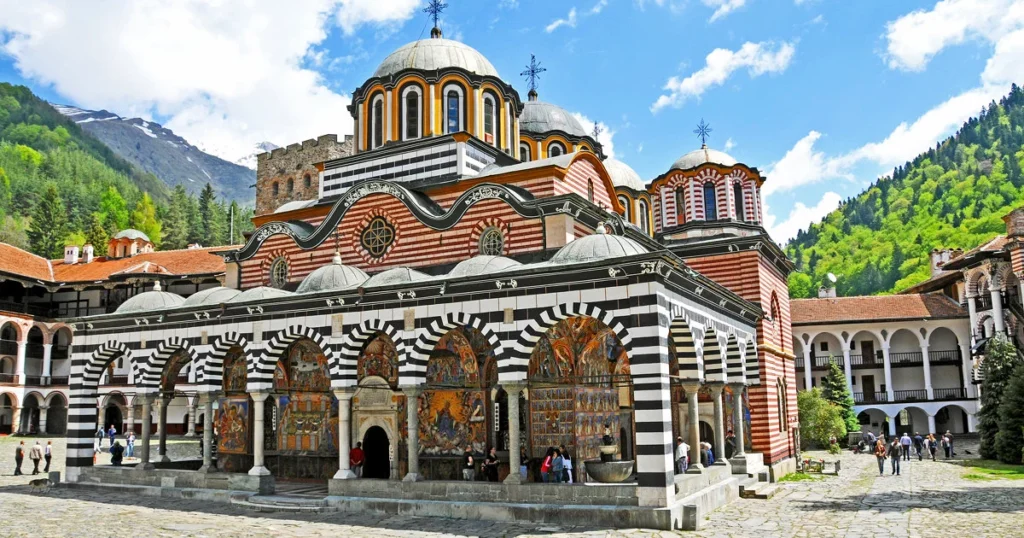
(682, 449)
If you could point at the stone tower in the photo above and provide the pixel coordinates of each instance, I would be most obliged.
(292, 173)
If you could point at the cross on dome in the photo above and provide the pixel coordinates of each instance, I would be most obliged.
(531, 74)
(703, 130)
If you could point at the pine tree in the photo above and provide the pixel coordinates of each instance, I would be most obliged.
(834, 389)
(49, 224)
(1010, 437)
(210, 216)
(144, 219)
(114, 211)
(97, 235)
(176, 226)
(1000, 362)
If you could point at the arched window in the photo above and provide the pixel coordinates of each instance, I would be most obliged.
(490, 121)
(590, 190)
(710, 202)
(625, 206)
(680, 206)
(492, 242)
(644, 217)
(555, 149)
(780, 390)
(453, 109)
(274, 189)
(279, 272)
(291, 185)
(524, 152)
(412, 96)
(737, 195)
(307, 181)
(377, 125)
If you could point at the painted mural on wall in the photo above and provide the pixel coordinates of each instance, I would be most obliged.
(234, 371)
(578, 350)
(304, 368)
(450, 420)
(573, 416)
(380, 359)
(453, 363)
(307, 423)
(233, 425)
(729, 402)
(172, 369)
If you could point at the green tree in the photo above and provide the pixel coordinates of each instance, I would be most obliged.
(835, 390)
(14, 232)
(1010, 437)
(113, 211)
(819, 418)
(211, 216)
(176, 226)
(144, 219)
(800, 286)
(1000, 362)
(49, 225)
(97, 235)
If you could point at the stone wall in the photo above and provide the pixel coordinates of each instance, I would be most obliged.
(288, 174)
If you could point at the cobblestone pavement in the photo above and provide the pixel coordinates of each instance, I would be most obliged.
(927, 499)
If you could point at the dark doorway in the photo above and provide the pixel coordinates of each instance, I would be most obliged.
(867, 384)
(867, 352)
(707, 433)
(112, 415)
(377, 449)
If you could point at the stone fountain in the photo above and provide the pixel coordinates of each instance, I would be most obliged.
(607, 469)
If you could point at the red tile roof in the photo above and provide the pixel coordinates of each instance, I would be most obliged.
(874, 308)
(15, 261)
(199, 261)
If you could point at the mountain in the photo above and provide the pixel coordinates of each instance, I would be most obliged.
(249, 161)
(953, 195)
(157, 150)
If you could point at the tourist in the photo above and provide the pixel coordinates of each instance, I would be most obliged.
(567, 464)
(905, 445)
(945, 446)
(112, 433)
(933, 445)
(880, 455)
(919, 446)
(949, 441)
(524, 460)
(36, 454)
(116, 453)
(557, 467)
(491, 465)
(468, 472)
(682, 449)
(100, 434)
(48, 455)
(545, 466)
(355, 460)
(730, 444)
(130, 441)
(19, 456)
(895, 453)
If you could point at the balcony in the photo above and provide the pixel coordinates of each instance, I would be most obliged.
(870, 397)
(8, 379)
(33, 381)
(60, 351)
(35, 310)
(799, 363)
(58, 380)
(121, 380)
(865, 361)
(821, 363)
(950, 394)
(949, 356)
(8, 347)
(34, 350)
(906, 358)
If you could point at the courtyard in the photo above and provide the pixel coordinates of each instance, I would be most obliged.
(927, 499)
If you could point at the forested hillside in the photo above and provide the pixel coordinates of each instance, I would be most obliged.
(954, 195)
(60, 185)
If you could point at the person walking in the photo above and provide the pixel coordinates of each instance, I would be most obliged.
(557, 467)
(730, 444)
(19, 456)
(491, 465)
(524, 466)
(682, 449)
(933, 445)
(116, 453)
(100, 434)
(545, 466)
(949, 441)
(880, 456)
(112, 433)
(36, 454)
(919, 445)
(356, 459)
(567, 465)
(130, 448)
(945, 446)
(905, 443)
(468, 472)
(895, 453)
(48, 455)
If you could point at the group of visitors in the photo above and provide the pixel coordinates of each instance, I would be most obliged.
(557, 466)
(707, 452)
(904, 447)
(117, 451)
(37, 453)
(488, 469)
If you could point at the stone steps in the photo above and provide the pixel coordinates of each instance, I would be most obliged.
(759, 490)
(280, 503)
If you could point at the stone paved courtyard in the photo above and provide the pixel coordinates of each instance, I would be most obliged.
(928, 499)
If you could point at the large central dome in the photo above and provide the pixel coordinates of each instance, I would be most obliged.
(436, 53)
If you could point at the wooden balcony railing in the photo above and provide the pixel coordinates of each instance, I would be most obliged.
(7, 378)
(8, 347)
(906, 358)
(950, 394)
(910, 395)
(870, 397)
(821, 363)
(949, 356)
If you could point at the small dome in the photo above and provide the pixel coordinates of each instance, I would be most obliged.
(398, 275)
(332, 277)
(436, 53)
(209, 296)
(151, 300)
(701, 156)
(259, 294)
(293, 205)
(623, 175)
(598, 246)
(539, 118)
(131, 234)
(482, 265)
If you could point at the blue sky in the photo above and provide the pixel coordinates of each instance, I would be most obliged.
(821, 96)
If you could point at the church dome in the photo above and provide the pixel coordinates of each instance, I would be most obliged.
(398, 275)
(539, 118)
(332, 277)
(623, 175)
(151, 300)
(482, 265)
(131, 234)
(598, 246)
(436, 53)
(259, 294)
(704, 155)
(209, 296)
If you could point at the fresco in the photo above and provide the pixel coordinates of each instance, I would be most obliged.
(232, 425)
(729, 402)
(573, 416)
(234, 371)
(453, 362)
(578, 350)
(451, 419)
(307, 423)
(171, 370)
(304, 368)
(379, 358)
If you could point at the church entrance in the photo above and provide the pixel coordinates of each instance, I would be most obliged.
(112, 415)
(377, 448)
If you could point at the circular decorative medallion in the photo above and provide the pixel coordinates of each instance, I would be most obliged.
(492, 242)
(378, 235)
(279, 272)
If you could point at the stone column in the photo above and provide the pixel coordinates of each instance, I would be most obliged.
(890, 396)
(848, 368)
(716, 399)
(693, 422)
(737, 418)
(967, 369)
(16, 420)
(997, 310)
(47, 361)
(512, 390)
(19, 367)
(258, 467)
(892, 426)
(344, 433)
(191, 421)
(42, 420)
(131, 418)
(206, 399)
(927, 371)
(971, 424)
(807, 366)
(972, 310)
(931, 424)
(412, 406)
(147, 426)
(161, 428)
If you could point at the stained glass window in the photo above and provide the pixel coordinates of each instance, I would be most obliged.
(279, 272)
(492, 242)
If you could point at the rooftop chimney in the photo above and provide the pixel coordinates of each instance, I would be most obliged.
(71, 254)
(940, 256)
(827, 292)
(87, 254)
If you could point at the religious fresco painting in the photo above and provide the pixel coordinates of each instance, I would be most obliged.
(304, 368)
(379, 358)
(172, 369)
(729, 401)
(307, 423)
(452, 419)
(234, 371)
(232, 424)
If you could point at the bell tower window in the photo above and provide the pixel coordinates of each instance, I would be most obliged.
(710, 202)
(377, 124)
(524, 152)
(625, 206)
(412, 129)
(644, 217)
(555, 149)
(680, 206)
(737, 194)
(453, 109)
(490, 121)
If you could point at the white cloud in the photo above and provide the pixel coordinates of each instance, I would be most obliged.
(757, 58)
(224, 73)
(598, 7)
(914, 39)
(508, 4)
(605, 138)
(723, 7)
(729, 144)
(803, 165)
(800, 217)
(569, 21)
(353, 13)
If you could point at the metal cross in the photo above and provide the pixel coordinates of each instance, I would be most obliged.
(703, 130)
(434, 9)
(597, 130)
(533, 72)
